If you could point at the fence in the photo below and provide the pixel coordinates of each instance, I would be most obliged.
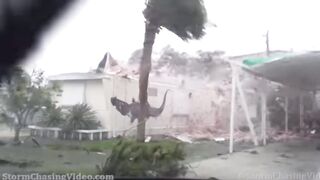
(58, 133)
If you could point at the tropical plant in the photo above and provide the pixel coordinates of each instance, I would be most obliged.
(81, 116)
(185, 18)
(135, 159)
(53, 117)
(23, 97)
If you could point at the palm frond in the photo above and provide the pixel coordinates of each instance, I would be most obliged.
(185, 18)
(81, 116)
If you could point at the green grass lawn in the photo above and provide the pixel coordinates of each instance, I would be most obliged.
(94, 146)
(62, 156)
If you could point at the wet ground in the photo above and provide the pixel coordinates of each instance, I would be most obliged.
(295, 159)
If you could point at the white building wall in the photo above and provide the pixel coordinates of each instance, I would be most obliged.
(72, 92)
(181, 111)
(95, 97)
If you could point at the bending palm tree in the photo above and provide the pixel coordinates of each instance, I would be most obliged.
(185, 18)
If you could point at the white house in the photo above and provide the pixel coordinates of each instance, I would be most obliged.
(189, 103)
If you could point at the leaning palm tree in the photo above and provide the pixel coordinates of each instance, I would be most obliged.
(81, 116)
(185, 18)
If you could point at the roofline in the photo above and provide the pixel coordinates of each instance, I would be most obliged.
(57, 78)
(257, 53)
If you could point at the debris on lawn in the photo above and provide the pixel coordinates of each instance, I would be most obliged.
(183, 138)
(148, 139)
(286, 155)
(253, 152)
(219, 139)
(35, 142)
(280, 136)
(101, 153)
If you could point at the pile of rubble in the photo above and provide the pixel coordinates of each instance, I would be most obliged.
(218, 135)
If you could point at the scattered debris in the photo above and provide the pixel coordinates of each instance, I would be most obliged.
(35, 142)
(253, 152)
(148, 139)
(279, 136)
(101, 153)
(220, 139)
(244, 128)
(183, 139)
(286, 155)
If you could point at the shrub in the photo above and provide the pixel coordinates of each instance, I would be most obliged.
(81, 116)
(53, 117)
(134, 159)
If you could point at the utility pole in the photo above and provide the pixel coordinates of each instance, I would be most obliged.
(267, 43)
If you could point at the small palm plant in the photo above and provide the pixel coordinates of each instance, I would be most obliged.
(53, 117)
(81, 116)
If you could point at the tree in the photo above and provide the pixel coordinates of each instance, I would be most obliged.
(81, 116)
(135, 57)
(25, 95)
(185, 18)
(175, 61)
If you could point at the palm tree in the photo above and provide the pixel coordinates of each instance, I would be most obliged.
(185, 18)
(81, 116)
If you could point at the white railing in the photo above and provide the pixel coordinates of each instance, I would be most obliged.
(58, 133)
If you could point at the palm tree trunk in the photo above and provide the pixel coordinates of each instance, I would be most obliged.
(145, 67)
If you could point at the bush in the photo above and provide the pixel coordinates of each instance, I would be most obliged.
(133, 159)
(53, 117)
(81, 116)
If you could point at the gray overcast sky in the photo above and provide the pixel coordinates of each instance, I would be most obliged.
(78, 41)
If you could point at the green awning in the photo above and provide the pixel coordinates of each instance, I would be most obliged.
(299, 70)
(255, 61)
